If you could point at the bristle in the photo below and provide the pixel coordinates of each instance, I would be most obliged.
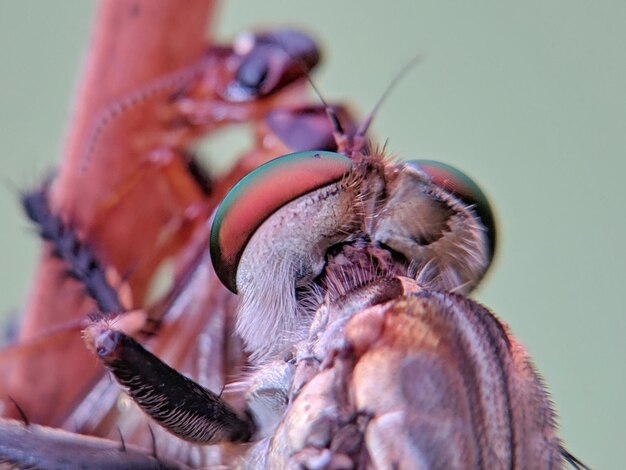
(354, 268)
(199, 174)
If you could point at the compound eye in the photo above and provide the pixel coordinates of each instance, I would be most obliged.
(270, 61)
(253, 73)
(463, 187)
(261, 193)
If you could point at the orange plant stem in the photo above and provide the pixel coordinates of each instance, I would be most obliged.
(133, 42)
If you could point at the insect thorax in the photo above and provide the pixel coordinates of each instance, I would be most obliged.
(389, 373)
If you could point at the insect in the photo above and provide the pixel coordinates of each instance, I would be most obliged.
(388, 267)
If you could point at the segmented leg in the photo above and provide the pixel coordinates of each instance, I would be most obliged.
(176, 402)
(32, 446)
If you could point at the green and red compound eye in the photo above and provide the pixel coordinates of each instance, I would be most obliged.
(261, 193)
(463, 187)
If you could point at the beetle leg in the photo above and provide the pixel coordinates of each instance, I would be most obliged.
(176, 402)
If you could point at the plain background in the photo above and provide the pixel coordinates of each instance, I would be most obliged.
(527, 98)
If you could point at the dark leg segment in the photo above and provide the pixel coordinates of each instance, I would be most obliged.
(177, 403)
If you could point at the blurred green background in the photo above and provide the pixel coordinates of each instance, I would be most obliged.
(528, 98)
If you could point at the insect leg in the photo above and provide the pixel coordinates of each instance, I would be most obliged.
(176, 402)
(80, 262)
(31, 446)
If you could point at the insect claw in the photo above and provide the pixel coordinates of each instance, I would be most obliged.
(21, 412)
(199, 173)
(106, 345)
(150, 327)
(154, 444)
(122, 443)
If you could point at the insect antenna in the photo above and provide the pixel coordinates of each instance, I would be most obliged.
(363, 128)
(348, 144)
(338, 130)
(330, 111)
(572, 460)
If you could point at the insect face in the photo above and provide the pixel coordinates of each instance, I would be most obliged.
(346, 294)
(432, 231)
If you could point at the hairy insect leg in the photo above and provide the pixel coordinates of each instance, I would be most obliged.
(33, 354)
(226, 85)
(177, 403)
(80, 262)
(194, 328)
